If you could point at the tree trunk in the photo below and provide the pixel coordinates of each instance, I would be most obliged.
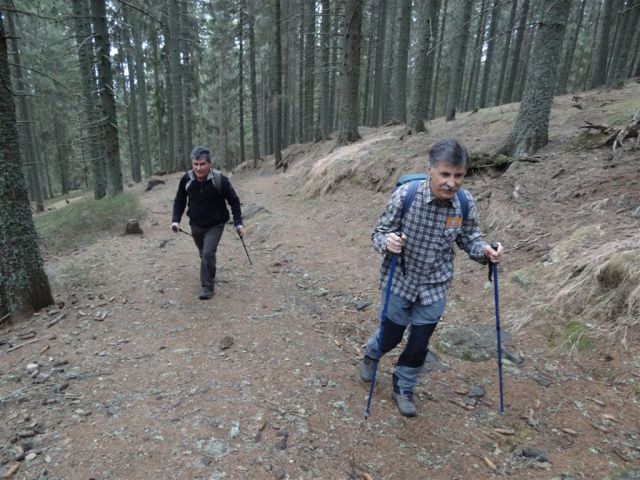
(629, 20)
(531, 129)
(62, 151)
(488, 64)
(277, 86)
(187, 47)
(348, 122)
(333, 78)
(255, 140)
(476, 62)
(366, 97)
(325, 68)
(507, 95)
(28, 137)
(599, 75)
(390, 61)
(376, 115)
(401, 59)
(160, 105)
(458, 58)
(120, 79)
(23, 281)
(635, 46)
(309, 67)
(132, 109)
(141, 89)
(288, 37)
(572, 41)
(224, 120)
(241, 79)
(505, 52)
(107, 100)
(438, 63)
(86, 61)
(180, 157)
(424, 62)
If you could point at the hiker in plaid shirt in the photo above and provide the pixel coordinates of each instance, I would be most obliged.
(424, 240)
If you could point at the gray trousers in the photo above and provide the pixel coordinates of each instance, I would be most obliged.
(207, 240)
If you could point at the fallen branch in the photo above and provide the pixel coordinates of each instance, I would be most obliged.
(16, 347)
(5, 317)
(527, 242)
(616, 136)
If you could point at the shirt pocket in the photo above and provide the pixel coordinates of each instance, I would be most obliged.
(449, 237)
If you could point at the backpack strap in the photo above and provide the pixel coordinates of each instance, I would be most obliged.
(408, 199)
(217, 181)
(464, 203)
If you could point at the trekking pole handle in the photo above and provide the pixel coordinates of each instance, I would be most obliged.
(492, 265)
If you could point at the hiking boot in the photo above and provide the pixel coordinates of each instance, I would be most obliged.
(405, 403)
(366, 369)
(205, 294)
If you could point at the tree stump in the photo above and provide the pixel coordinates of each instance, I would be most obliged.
(153, 182)
(133, 228)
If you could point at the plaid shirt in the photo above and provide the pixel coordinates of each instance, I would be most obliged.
(428, 249)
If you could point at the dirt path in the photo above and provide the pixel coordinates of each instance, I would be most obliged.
(137, 379)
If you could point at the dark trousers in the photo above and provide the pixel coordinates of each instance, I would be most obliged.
(207, 240)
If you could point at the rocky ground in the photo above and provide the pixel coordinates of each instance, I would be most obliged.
(131, 376)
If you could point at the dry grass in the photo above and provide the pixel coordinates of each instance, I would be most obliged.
(602, 288)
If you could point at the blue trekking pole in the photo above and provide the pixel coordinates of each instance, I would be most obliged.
(383, 314)
(493, 269)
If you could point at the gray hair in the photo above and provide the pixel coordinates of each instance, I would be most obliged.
(450, 151)
(201, 153)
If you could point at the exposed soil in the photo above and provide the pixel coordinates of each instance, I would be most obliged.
(134, 378)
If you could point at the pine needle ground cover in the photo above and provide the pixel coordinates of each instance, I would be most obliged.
(82, 222)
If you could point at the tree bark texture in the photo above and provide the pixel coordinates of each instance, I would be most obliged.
(491, 43)
(143, 116)
(599, 75)
(507, 95)
(86, 60)
(376, 115)
(348, 122)
(572, 41)
(628, 18)
(176, 124)
(458, 58)
(254, 95)
(28, 137)
(23, 281)
(531, 129)
(401, 59)
(277, 85)
(325, 67)
(107, 100)
(476, 60)
(309, 68)
(424, 61)
(505, 51)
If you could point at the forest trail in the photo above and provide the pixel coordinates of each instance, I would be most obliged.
(135, 378)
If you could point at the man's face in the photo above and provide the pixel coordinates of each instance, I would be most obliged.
(446, 179)
(201, 168)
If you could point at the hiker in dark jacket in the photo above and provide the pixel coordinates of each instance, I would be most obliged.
(423, 239)
(204, 193)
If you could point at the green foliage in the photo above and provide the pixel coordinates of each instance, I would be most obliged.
(576, 336)
(522, 435)
(636, 392)
(83, 221)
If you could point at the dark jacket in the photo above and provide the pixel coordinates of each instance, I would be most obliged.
(205, 206)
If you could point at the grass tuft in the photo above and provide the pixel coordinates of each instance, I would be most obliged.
(83, 221)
